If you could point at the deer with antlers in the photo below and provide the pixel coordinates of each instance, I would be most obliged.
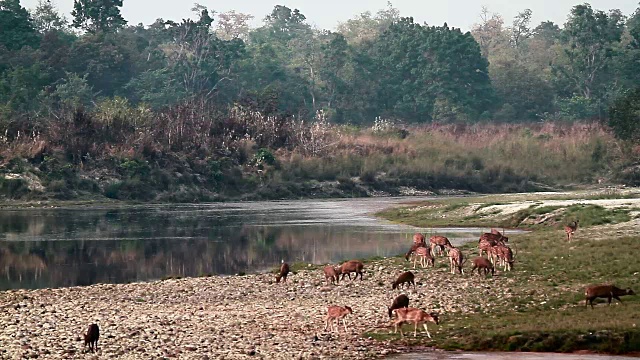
(336, 313)
(571, 229)
(415, 316)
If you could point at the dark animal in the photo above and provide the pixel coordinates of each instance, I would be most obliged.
(91, 337)
(284, 271)
(350, 266)
(571, 229)
(604, 291)
(404, 278)
(402, 301)
(482, 263)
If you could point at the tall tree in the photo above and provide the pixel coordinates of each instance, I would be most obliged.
(47, 18)
(521, 30)
(98, 15)
(16, 26)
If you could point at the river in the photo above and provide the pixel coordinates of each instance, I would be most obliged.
(42, 248)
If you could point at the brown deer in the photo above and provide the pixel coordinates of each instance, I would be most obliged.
(439, 242)
(91, 337)
(330, 274)
(336, 313)
(284, 271)
(482, 263)
(571, 229)
(416, 316)
(412, 251)
(407, 278)
(456, 260)
(505, 256)
(605, 291)
(401, 301)
(418, 238)
(350, 266)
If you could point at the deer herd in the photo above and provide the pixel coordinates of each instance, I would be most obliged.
(492, 244)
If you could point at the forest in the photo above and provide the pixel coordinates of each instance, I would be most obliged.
(210, 108)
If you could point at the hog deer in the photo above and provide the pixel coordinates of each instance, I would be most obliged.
(336, 313)
(404, 278)
(605, 291)
(416, 316)
(284, 271)
(456, 260)
(482, 263)
(91, 337)
(350, 266)
(571, 229)
(401, 301)
(330, 274)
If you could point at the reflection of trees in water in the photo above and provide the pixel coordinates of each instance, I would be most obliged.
(155, 244)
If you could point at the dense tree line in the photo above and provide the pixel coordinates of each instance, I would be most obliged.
(374, 65)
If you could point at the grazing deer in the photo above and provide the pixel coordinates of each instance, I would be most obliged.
(91, 337)
(424, 254)
(439, 242)
(402, 301)
(456, 260)
(605, 291)
(571, 229)
(482, 263)
(418, 238)
(412, 251)
(336, 313)
(416, 316)
(284, 271)
(330, 274)
(404, 278)
(350, 266)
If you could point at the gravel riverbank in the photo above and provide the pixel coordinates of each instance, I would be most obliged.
(231, 317)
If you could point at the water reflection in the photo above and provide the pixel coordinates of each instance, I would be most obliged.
(66, 247)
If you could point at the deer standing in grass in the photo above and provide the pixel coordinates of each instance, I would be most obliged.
(605, 291)
(571, 229)
(415, 316)
(336, 313)
(456, 260)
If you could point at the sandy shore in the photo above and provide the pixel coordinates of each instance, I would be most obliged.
(233, 317)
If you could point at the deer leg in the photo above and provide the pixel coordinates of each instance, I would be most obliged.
(427, 330)
(617, 298)
(344, 322)
(326, 323)
(609, 298)
(415, 329)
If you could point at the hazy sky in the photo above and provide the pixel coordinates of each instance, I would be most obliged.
(327, 13)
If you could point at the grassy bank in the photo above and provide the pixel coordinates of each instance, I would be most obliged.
(314, 160)
(547, 312)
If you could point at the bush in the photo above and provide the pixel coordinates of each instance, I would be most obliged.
(624, 115)
(13, 188)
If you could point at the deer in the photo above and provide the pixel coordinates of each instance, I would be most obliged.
(604, 291)
(416, 316)
(418, 238)
(482, 263)
(284, 271)
(424, 254)
(412, 251)
(571, 229)
(350, 266)
(401, 301)
(406, 277)
(439, 242)
(330, 274)
(487, 240)
(336, 313)
(505, 255)
(91, 337)
(456, 260)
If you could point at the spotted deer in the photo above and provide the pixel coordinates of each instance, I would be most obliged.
(439, 242)
(412, 251)
(487, 240)
(605, 291)
(336, 313)
(415, 316)
(424, 254)
(571, 229)
(456, 260)
(418, 238)
(504, 256)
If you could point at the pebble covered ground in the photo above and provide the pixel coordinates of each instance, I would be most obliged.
(232, 317)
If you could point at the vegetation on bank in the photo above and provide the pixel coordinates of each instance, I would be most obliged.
(547, 312)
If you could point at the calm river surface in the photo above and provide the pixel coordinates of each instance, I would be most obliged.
(42, 248)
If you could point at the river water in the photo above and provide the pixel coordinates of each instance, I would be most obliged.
(42, 248)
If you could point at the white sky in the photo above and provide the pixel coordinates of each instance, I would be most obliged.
(327, 14)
